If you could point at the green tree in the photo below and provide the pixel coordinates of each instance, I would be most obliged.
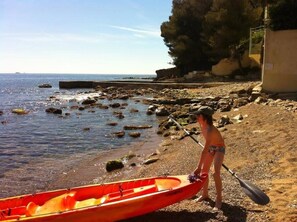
(283, 15)
(182, 33)
(227, 24)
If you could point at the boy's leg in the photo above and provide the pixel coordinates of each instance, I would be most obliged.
(218, 161)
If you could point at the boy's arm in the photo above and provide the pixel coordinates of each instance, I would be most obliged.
(203, 154)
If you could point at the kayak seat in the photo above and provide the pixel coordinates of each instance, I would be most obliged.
(57, 204)
(166, 184)
(90, 202)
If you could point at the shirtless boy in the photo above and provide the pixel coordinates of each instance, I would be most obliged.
(213, 151)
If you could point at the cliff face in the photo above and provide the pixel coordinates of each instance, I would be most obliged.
(167, 73)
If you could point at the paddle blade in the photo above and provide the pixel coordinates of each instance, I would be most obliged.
(253, 192)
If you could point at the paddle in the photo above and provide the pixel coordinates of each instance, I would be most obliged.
(251, 190)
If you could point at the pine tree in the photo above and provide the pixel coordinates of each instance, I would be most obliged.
(182, 34)
(227, 24)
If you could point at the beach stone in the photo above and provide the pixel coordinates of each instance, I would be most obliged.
(53, 110)
(224, 120)
(119, 114)
(123, 97)
(114, 165)
(238, 117)
(45, 85)
(150, 160)
(1, 112)
(119, 134)
(224, 105)
(88, 102)
(103, 107)
(129, 156)
(240, 102)
(134, 134)
(149, 112)
(162, 111)
(152, 107)
(132, 127)
(134, 110)
(112, 124)
(115, 105)
(19, 111)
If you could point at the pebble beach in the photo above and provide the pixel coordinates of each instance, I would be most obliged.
(260, 149)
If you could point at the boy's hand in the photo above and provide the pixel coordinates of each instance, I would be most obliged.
(197, 172)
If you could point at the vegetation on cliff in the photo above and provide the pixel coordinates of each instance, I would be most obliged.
(200, 33)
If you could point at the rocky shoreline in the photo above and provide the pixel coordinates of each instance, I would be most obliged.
(259, 132)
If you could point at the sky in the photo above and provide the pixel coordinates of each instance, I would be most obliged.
(83, 36)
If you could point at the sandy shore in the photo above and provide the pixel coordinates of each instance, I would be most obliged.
(261, 149)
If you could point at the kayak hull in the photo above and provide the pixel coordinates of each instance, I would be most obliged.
(103, 202)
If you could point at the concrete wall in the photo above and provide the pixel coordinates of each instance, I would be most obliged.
(279, 73)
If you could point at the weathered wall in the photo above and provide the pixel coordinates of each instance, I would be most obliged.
(279, 73)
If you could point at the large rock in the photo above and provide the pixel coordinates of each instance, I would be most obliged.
(227, 66)
(114, 165)
(53, 110)
(167, 73)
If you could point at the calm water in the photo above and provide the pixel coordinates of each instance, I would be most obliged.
(35, 147)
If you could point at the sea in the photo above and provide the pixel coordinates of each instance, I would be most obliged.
(35, 147)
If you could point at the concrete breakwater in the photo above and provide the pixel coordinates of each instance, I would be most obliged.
(133, 84)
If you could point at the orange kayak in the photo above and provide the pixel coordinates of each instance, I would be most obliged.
(102, 202)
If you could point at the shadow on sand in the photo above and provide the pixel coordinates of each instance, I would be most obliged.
(228, 213)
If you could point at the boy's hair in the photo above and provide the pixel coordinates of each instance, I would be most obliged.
(208, 119)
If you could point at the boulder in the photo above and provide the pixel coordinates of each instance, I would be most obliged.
(134, 134)
(167, 73)
(53, 110)
(88, 102)
(227, 66)
(114, 165)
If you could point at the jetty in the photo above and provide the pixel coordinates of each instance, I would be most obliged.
(135, 84)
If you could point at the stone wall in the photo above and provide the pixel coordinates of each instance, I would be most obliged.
(279, 73)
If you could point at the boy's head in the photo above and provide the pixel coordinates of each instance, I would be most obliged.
(206, 112)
